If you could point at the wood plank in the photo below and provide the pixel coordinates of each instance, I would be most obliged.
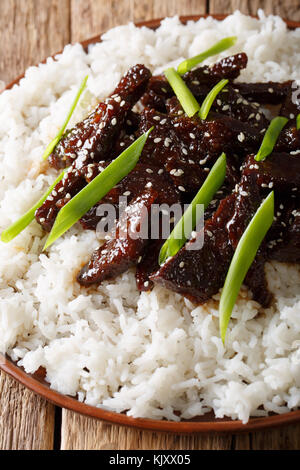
(26, 420)
(29, 31)
(91, 17)
(79, 432)
(288, 9)
(284, 438)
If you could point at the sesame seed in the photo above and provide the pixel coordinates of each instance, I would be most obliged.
(181, 264)
(163, 121)
(209, 233)
(160, 171)
(192, 136)
(146, 283)
(181, 188)
(156, 140)
(241, 137)
(156, 118)
(127, 193)
(148, 185)
(122, 103)
(149, 170)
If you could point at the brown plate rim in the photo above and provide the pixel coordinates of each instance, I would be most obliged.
(37, 384)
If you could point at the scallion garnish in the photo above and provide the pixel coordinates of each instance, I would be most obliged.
(210, 98)
(183, 93)
(17, 227)
(220, 46)
(56, 139)
(96, 189)
(243, 258)
(298, 122)
(270, 137)
(189, 219)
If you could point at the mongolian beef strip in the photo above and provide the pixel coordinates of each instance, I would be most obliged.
(142, 176)
(264, 93)
(282, 172)
(291, 105)
(159, 90)
(69, 186)
(180, 141)
(124, 250)
(92, 139)
(199, 273)
(148, 265)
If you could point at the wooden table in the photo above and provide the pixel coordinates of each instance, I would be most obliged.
(30, 30)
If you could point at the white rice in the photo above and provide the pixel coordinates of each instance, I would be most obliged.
(148, 354)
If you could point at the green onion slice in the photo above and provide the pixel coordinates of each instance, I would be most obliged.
(270, 137)
(17, 227)
(220, 46)
(204, 196)
(96, 189)
(183, 93)
(298, 122)
(243, 258)
(56, 139)
(210, 98)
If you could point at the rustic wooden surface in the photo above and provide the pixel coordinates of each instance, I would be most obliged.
(30, 30)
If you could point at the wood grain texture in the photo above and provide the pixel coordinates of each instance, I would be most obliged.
(90, 17)
(103, 436)
(26, 420)
(32, 30)
(288, 9)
